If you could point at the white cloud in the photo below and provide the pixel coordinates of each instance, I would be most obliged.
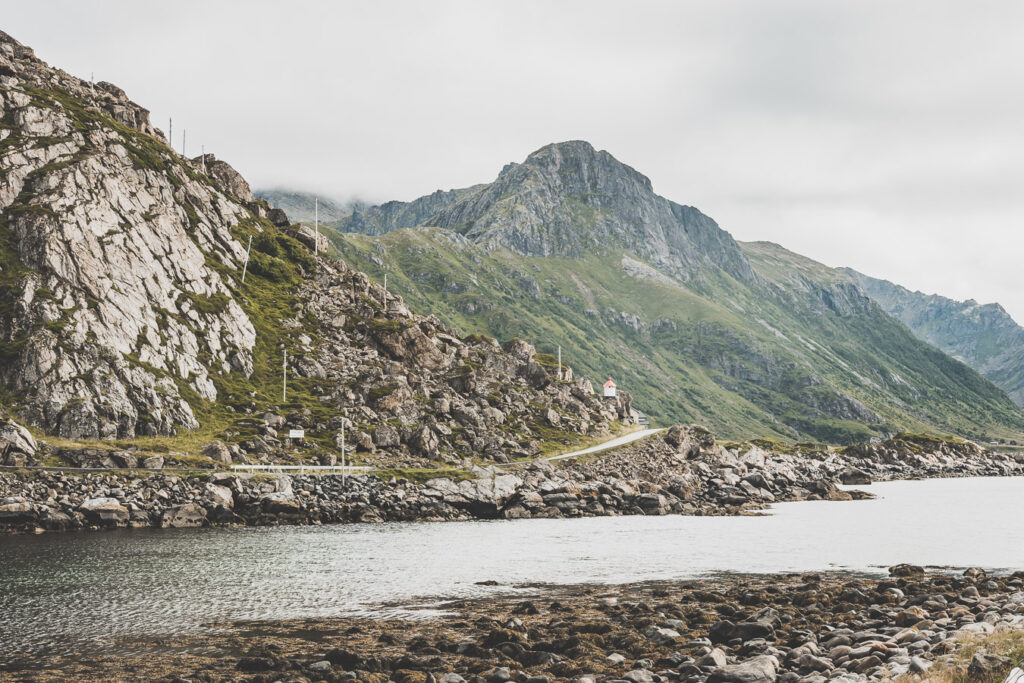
(884, 136)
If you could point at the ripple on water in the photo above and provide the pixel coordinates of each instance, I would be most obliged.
(61, 592)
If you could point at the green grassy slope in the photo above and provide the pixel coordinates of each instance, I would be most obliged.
(800, 354)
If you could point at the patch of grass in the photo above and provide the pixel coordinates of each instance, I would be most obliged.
(954, 670)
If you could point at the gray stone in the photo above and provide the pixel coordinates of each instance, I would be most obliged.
(105, 511)
(183, 516)
(760, 669)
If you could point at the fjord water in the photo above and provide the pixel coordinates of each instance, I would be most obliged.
(60, 592)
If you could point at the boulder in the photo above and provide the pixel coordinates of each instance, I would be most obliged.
(423, 441)
(661, 636)
(215, 494)
(985, 666)
(218, 452)
(714, 659)
(181, 516)
(280, 502)
(760, 669)
(854, 476)
(16, 511)
(153, 462)
(105, 511)
(16, 443)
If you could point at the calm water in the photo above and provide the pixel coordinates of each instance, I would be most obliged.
(60, 591)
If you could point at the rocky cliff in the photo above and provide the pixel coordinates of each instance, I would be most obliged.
(123, 310)
(108, 238)
(982, 335)
(566, 200)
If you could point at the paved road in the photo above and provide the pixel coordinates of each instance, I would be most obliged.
(613, 443)
(362, 469)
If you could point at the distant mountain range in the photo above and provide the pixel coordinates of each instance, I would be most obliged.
(301, 206)
(572, 248)
(982, 335)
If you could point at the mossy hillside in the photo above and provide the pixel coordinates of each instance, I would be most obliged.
(146, 151)
(746, 360)
(268, 296)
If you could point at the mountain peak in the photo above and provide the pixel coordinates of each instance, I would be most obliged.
(569, 199)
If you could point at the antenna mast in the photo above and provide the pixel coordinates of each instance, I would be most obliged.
(284, 378)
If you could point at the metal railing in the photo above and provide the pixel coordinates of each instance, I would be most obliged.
(302, 469)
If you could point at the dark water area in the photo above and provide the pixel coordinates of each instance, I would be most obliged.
(63, 592)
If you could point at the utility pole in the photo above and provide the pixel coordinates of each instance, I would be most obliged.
(203, 147)
(284, 379)
(559, 363)
(245, 266)
(344, 416)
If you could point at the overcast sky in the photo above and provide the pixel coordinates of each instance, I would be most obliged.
(885, 136)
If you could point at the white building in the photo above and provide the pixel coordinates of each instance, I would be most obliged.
(609, 388)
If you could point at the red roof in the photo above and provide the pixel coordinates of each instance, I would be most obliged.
(609, 383)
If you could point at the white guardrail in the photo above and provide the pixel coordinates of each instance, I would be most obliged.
(302, 469)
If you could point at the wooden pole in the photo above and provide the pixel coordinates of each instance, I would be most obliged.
(245, 266)
(284, 378)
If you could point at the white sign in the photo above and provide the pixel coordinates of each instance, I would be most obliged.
(297, 434)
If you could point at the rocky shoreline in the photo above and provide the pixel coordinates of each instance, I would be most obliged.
(789, 628)
(682, 471)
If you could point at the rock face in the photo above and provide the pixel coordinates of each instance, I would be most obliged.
(982, 335)
(107, 239)
(568, 199)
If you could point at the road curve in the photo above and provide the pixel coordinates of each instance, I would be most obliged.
(612, 443)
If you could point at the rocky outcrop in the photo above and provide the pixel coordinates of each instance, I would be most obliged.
(111, 305)
(17, 445)
(416, 390)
